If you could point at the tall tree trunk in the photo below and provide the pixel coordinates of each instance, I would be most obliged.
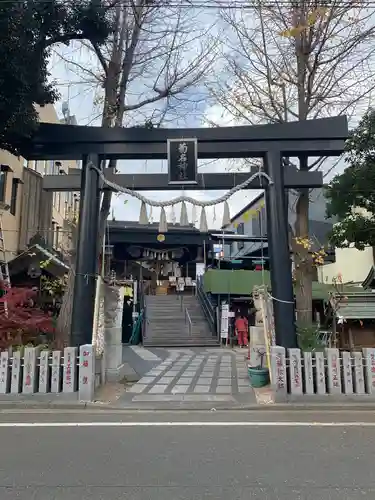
(117, 76)
(303, 268)
(149, 39)
(303, 271)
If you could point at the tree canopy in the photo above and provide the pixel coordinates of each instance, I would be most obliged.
(351, 195)
(28, 29)
(24, 320)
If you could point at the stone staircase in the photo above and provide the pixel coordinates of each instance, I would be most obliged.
(166, 325)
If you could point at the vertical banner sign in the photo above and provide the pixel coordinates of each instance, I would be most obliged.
(86, 385)
(4, 372)
(29, 370)
(295, 368)
(347, 372)
(15, 385)
(56, 372)
(359, 377)
(224, 324)
(278, 369)
(309, 373)
(70, 369)
(320, 373)
(44, 372)
(369, 354)
(182, 161)
(334, 371)
(135, 292)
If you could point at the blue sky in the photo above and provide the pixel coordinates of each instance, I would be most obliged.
(194, 111)
(195, 108)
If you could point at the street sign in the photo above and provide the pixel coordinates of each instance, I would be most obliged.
(182, 161)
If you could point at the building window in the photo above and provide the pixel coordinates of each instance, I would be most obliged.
(3, 184)
(13, 199)
(240, 230)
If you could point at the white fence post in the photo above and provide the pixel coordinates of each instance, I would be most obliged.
(308, 371)
(4, 372)
(334, 373)
(295, 371)
(359, 377)
(15, 385)
(29, 370)
(86, 373)
(278, 369)
(369, 354)
(347, 371)
(70, 369)
(320, 373)
(44, 372)
(56, 372)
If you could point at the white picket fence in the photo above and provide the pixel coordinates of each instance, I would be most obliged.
(328, 372)
(46, 372)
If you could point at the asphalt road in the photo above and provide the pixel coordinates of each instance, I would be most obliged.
(187, 456)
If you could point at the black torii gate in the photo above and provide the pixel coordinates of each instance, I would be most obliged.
(312, 138)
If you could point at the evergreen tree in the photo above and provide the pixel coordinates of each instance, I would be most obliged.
(28, 30)
(351, 195)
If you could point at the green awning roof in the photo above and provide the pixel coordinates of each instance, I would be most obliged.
(242, 282)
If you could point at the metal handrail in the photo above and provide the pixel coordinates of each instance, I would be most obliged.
(188, 320)
(207, 306)
(208, 314)
(206, 303)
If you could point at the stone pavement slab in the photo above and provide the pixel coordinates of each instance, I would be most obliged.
(202, 375)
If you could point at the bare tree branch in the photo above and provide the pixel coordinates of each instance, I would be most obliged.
(157, 53)
(295, 60)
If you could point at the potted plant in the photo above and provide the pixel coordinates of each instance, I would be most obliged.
(259, 375)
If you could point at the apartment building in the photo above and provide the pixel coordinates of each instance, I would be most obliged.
(11, 180)
(252, 221)
(28, 212)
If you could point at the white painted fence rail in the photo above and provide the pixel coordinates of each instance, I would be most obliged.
(329, 372)
(49, 372)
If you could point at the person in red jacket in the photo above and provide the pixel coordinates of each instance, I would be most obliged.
(242, 328)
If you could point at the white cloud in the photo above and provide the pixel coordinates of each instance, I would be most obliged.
(81, 97)
(218, 116)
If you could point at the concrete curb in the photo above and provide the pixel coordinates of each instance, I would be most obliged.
(277, 407)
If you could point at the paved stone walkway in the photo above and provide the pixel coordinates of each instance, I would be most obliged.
(204, 375)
